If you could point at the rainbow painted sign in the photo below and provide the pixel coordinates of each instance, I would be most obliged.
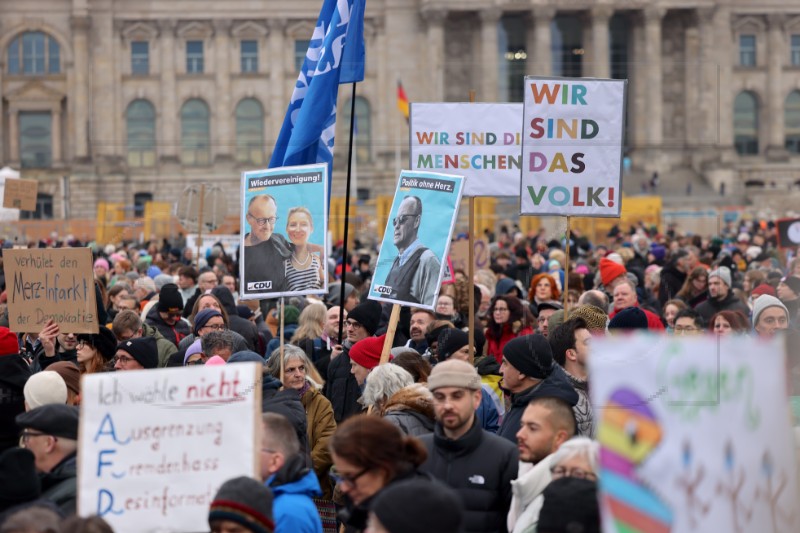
(572, 133)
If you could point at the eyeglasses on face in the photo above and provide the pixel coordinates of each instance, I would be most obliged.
(560, 471)
(195, 362)
(217, 327)
(27, 434)
(350, 480)
(352, 324)
(83, 343)
(263, 221)
(124, 359)
(401, 219)
(685, 329)
(500, 309)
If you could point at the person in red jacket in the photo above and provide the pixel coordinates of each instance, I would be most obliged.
(625, 296)
(506, 322)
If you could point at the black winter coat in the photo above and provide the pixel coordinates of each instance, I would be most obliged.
(479, 467)
(342, 389)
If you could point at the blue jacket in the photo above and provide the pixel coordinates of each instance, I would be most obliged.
(487, 414)
(292, 507)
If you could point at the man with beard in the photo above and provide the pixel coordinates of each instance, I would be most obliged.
(720, 296)
(547, 423)
(265, 250)
(420, 320)
(570, 343)
(478, 465)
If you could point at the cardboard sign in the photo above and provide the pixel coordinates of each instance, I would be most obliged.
(459, 254)
(21, 194)
(479, 141)
(50, 283)
(695, 434)
(572, 133)
(155, 445)
(284, 231)
(788, 230)
(413, 252)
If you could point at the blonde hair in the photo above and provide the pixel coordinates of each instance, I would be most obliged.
(310, 322)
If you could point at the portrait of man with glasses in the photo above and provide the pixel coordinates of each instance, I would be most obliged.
(266, 251)
(415, 271)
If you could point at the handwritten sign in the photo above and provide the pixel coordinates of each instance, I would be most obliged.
(572, 147)
(695, 434)
(478, 141)
(459, 254)
(21, 194)
(45, 284)
(155, 445)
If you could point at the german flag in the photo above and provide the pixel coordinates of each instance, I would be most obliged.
(402, 100)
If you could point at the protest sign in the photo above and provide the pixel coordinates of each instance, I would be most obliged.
(284, 229)
(694, 434)
(479, 141)
(156, 445)
(229, 242)
(572, 147)
(20, 194)
(459, 254)
(50, 283)
(412, 255)
(788, 230)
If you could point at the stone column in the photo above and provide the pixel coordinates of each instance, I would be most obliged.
(601, 39)
(278, 103)
(13, 135)
(724, 42)
(652, 35)
(709, 89)
(55, 133)
(540, 54)
(692, 85)
(222, 136)
(435, 35)
(490, 54)
(170, 118)
(775, 95)
(80, 95)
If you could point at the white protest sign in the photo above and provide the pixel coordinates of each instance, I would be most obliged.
(695, 434)
(155, 445)
(572, 147)
(229, 242)
(479, 141)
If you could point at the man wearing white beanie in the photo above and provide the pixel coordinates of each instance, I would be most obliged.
(769, 316)
(720, 296)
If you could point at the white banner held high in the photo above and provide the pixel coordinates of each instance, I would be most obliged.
(572, 134)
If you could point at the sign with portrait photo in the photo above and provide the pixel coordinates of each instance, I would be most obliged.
(284, 231)
(414, 249)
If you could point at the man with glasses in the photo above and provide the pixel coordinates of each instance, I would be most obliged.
(136, 354)
(128, 325)
(265, 251)
(219, 343)
(415, 270)
(50, 432)
(689, 322)
(293, 484)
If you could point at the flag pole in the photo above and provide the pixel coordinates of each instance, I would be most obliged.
(347, 209)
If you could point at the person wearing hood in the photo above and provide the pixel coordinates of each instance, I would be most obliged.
(284, 471)
(529, 372)
(720, 296)
(166, 315)
(128, 325)
(240, 325)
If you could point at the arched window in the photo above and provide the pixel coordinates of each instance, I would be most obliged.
(362, 128)
(140, 121)
(745, 123)
(195, 137)
(792, 122)
(34, 53)
(250, 132)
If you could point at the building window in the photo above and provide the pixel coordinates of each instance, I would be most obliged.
(300, 49)
(250, 132)
(792, 122)
(194, 57)
(567, 46)
(44, 208)
(747, 50)
(512, 65)
(249, 50)
(619, 29)
(745, 123)
(195, 138)
(362, 128)
(139, 201)
(34, 53)
(795, 50)
(140, 58)
(141, 126)
(35, 139)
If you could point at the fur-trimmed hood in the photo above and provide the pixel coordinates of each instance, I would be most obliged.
(415, 397)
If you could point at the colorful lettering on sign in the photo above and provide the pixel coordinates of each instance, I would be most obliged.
(561, 196)
(571, 94)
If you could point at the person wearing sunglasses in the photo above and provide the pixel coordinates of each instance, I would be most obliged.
(265, 251)
(167, 315)
(370, 454)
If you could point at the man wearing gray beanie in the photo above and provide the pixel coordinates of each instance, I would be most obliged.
(769, 316)
(720, 296)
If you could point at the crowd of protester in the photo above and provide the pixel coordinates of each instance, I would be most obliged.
(492, 437)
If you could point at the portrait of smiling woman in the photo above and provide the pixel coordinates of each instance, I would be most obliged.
(303, 268)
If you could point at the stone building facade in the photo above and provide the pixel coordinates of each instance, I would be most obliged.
(135, 100)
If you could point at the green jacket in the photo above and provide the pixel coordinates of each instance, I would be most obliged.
(165, 346)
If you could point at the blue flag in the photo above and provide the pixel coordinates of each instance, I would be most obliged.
(335, 55)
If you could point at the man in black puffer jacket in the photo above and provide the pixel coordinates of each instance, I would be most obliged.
(478, 465)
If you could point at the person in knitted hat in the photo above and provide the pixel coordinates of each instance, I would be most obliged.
(436, 508)
(241, 504)
(764, 288)
(364, 356)
(610, 273)
(19, 483)
(137, 354)
(529, 372)
(14, 373)
(596, 319)
(166, 315)
(453, 343)
(460, 448)
(44, 388)
(628, 319)
(720, 296)
(365, 316)
(335, 293)
(570, 504)
(769, 316)
(72, 378)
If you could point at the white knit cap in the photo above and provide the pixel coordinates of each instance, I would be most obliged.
(763, 302)
(723, 273)
(44, 388)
